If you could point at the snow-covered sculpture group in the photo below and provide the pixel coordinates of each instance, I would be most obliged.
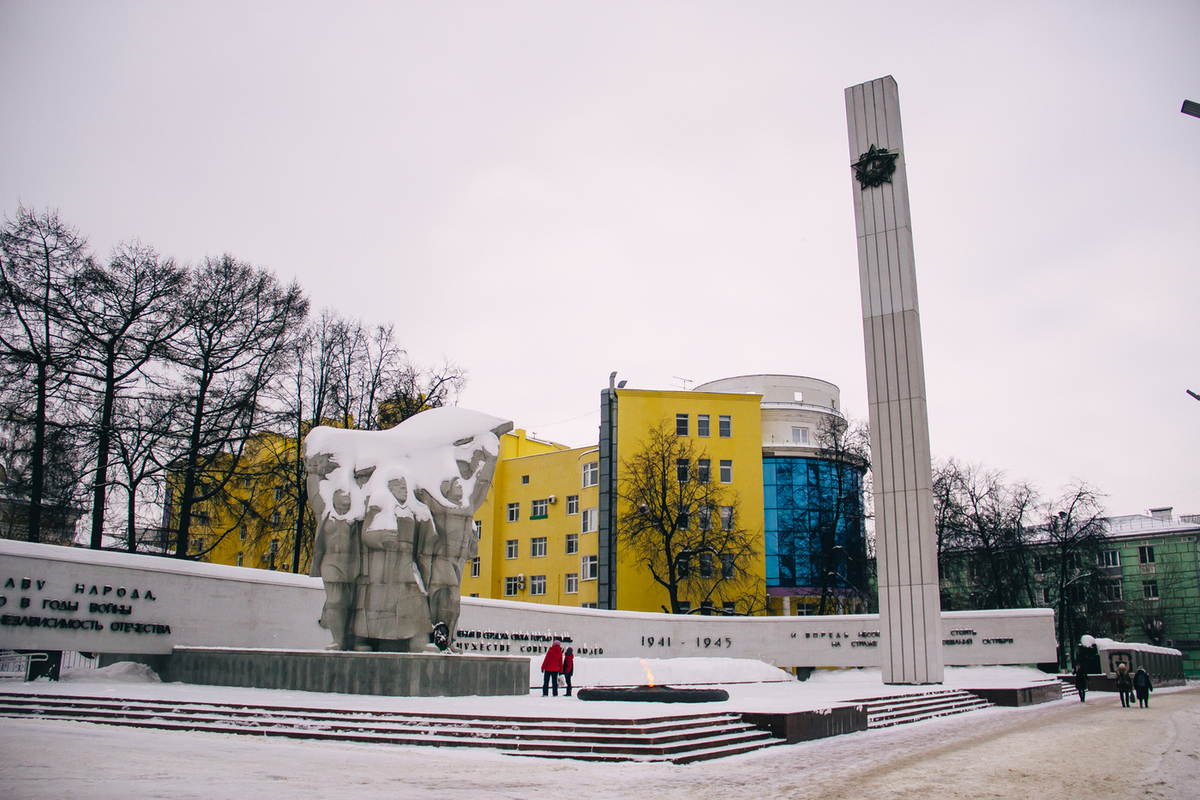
(395, 529)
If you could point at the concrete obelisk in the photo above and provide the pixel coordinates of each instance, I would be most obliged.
(905, 543)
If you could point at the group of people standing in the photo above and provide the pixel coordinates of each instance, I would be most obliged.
(1127, 685)
(557, 663)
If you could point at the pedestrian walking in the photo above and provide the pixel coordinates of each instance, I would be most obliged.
(1143, 687)
(551, 666)
(1081, 681)
(568, 667)
(1125, 685)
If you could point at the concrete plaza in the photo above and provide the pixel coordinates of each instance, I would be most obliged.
(1062, 749)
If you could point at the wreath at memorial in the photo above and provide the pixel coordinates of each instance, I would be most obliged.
(875, 167)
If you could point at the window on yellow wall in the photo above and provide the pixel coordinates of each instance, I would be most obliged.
(681, 424)
(572, 543)
(510, 548)
(591, 474)
(702, 424)
(572, 504)
(514, 512)
(475, 567)
(726, 471)
(590, 566)
(591, 520)
(703, 465)
(572, 583)
(537, 584)
(537, 547)
(724, 426)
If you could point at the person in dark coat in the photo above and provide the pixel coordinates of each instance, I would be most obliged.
(551, 666)
(568, 667)
(1125, 685)
(1081, 681)
(1142, 687)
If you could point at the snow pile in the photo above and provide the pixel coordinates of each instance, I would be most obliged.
(668, 672)
(1102, 643)
(121, 672)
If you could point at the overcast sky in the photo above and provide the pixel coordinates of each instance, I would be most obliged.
(546, 192)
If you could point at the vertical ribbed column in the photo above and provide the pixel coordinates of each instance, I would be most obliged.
(905, 543)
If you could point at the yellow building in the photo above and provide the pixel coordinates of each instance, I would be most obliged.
(546, 531)
(538, 526)
(251, 522)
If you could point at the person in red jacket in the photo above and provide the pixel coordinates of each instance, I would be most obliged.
(568, 668)
(551, 666)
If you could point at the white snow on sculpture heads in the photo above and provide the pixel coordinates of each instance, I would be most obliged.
(393, 513)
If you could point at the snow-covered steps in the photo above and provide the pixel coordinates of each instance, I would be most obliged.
(1068, 688)
(884, 712)
(675, 738)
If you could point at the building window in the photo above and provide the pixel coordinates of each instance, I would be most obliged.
(726, 518)
(478, 529)
(683, 567)
(510, 548)
(1041, 564)
(1110, 558)
(572, 583)
(729, 607)
(702, 424)
(202, 517)
(524, 480)
(242, 533)
(591, 474)
(799, 435)
(1146, 555)
(706, 565)
(589, 605)
(278, 493)
(239, 559)
(511, 585)
(572, 543)
(702, 469)
(514, 512)
(539, 509)
(537, 547)
(1150, 590)
(704, 516)
(537, 584)
(474, 594)
(275, 518)
(685, 607)
(683, 519)
(1043, 596)
(247, 483)
(591, 520)
(726, 471)
(590, 567)
(572, 504)
(681, 470)
(1110, 591)
(475, 567)
(727, 565)
(681, 424)
(724, 426)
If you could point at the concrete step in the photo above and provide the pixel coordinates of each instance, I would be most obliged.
(679, 739)
(885, 712)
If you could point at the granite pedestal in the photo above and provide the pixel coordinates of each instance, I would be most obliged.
(389, 674)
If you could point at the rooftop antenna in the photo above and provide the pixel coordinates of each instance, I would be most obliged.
(684, 381)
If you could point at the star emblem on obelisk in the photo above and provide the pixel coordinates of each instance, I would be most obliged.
(875, 167)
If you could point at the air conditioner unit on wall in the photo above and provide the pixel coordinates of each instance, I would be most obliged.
(552, 499)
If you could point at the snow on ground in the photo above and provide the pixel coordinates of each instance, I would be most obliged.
(1062, 749)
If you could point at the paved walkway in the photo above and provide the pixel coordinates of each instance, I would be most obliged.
(1063, 749)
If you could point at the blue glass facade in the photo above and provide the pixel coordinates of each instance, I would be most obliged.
(815, 531)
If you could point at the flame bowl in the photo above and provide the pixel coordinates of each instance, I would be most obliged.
(654, 694)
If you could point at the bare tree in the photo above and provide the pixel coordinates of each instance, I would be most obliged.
(40, 258)
(242, 324)
(837, 534)
(684, 527)
(985, 540)
(415, 389)
(126, 313)
(1073, 536)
